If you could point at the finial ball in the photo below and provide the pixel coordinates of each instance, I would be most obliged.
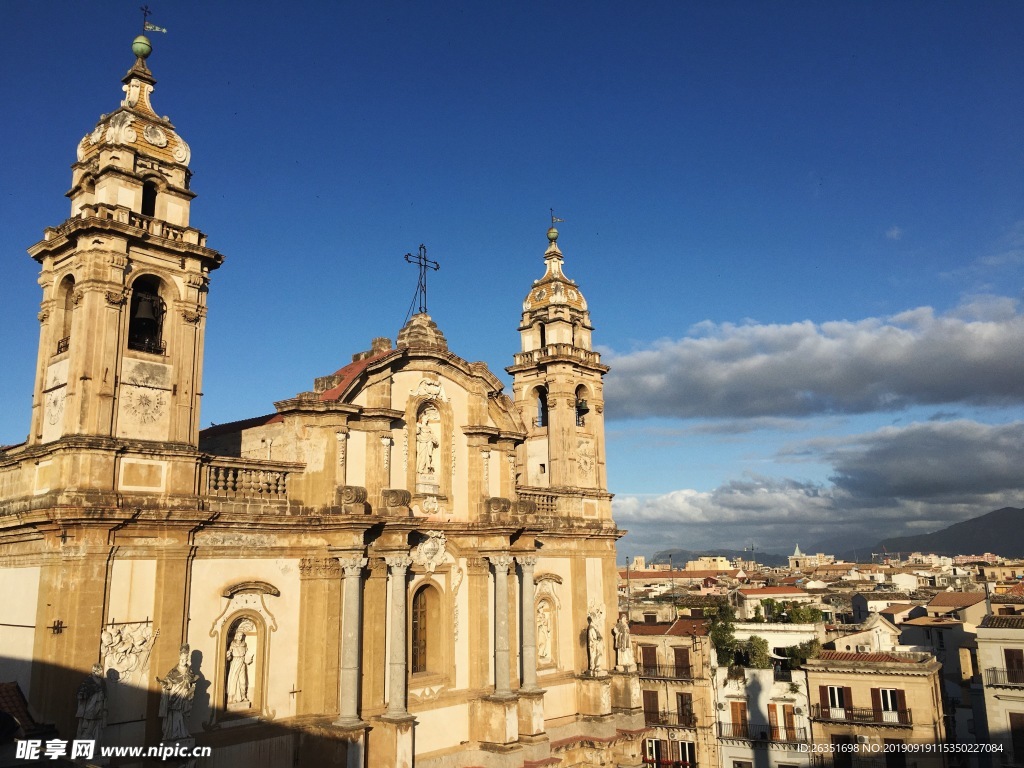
(553, 235)
(141, 46)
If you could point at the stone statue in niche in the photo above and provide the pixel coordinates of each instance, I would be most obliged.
(178, 690)
(544, 631)
(239, 660)
(426, 441)
(92, 705)
(624, 661)
(595, 648)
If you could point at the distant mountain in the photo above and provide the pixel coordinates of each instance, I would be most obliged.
(1000, 532)
(680, 556)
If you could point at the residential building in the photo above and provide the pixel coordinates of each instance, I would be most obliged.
(875, 699)
(674, 664)
(1001, 659)
(762, 716)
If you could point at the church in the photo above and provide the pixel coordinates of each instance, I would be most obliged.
(403, 565)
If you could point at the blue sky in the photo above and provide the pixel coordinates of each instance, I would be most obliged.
(799, 226)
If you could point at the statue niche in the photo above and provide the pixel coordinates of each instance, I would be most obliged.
(428, 441)
(241, 673)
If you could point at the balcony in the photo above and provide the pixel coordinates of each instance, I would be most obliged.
(666, 671)
(671, 719)
(1004, 678)
(63, 344)
(862, 715)
(758, 732)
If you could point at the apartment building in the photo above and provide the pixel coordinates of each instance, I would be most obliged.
(875, 699)
(1001, 658)
(674, 663)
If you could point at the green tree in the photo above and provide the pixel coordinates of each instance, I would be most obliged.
(722, 634)
(758, 653)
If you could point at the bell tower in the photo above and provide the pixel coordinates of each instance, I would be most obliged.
(559, 389)
(124, 284)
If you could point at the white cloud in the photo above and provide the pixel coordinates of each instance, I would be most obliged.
(891, 482)
(894, 233)
(970, 356)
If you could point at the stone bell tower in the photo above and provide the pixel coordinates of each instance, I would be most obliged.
(559, 390)
(124, 284)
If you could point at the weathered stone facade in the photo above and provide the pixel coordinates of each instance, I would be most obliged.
(396, 567)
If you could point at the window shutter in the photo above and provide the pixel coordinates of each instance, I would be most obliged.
(823, 697)
(901, 702)
(773, 716)
(876, 703)
(847, 698)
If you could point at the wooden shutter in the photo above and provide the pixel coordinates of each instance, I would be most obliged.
(773, 721)
(901, 705)
(876, 704)
(789, 718)
(847, 698)
(682, 662)
(823, 698)
(739, 713)
(650, 702)
(649, 656)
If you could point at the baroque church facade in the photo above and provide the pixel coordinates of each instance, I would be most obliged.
(401, 566)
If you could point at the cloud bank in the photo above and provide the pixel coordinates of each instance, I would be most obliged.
(972, 356)
(735, 379)
(891, 482)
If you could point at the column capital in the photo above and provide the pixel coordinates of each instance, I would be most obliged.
(352, 564)
(501, 561)
(526, 561)
(398, 562)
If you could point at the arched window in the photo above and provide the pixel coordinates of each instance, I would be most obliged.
(145, 327)
(148, 198)
(425, 631)
(542, 406)
(66, 299)
(582, 408)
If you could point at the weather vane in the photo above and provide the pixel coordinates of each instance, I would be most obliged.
(146, 25)
(555, 219)
(421, 260)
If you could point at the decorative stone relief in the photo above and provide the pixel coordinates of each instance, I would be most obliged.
(119, 129)
(453, 452)
(319, 568)
(545, 633)
(457, 575)
(182, 153)
(429, 505)
(396, 497)
(97, 134)
(155, 136)
(405, 451)
(428, 693)
(430, 388)
(585, 459)
(125, 649)
(430, 552)
(485, 457)
(386, 443)
(193, 316)
(352, 564)
(252, 601)
(116, 298)
(76, 297)
(43, 315)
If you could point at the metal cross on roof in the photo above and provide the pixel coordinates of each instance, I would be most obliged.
(421, 260)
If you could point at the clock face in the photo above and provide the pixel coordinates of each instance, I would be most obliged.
(55, 405)
(586, 464)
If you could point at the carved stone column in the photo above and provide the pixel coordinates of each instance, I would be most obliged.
(529, 649)
(399, 566)
(502, 677)
(351, 632)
